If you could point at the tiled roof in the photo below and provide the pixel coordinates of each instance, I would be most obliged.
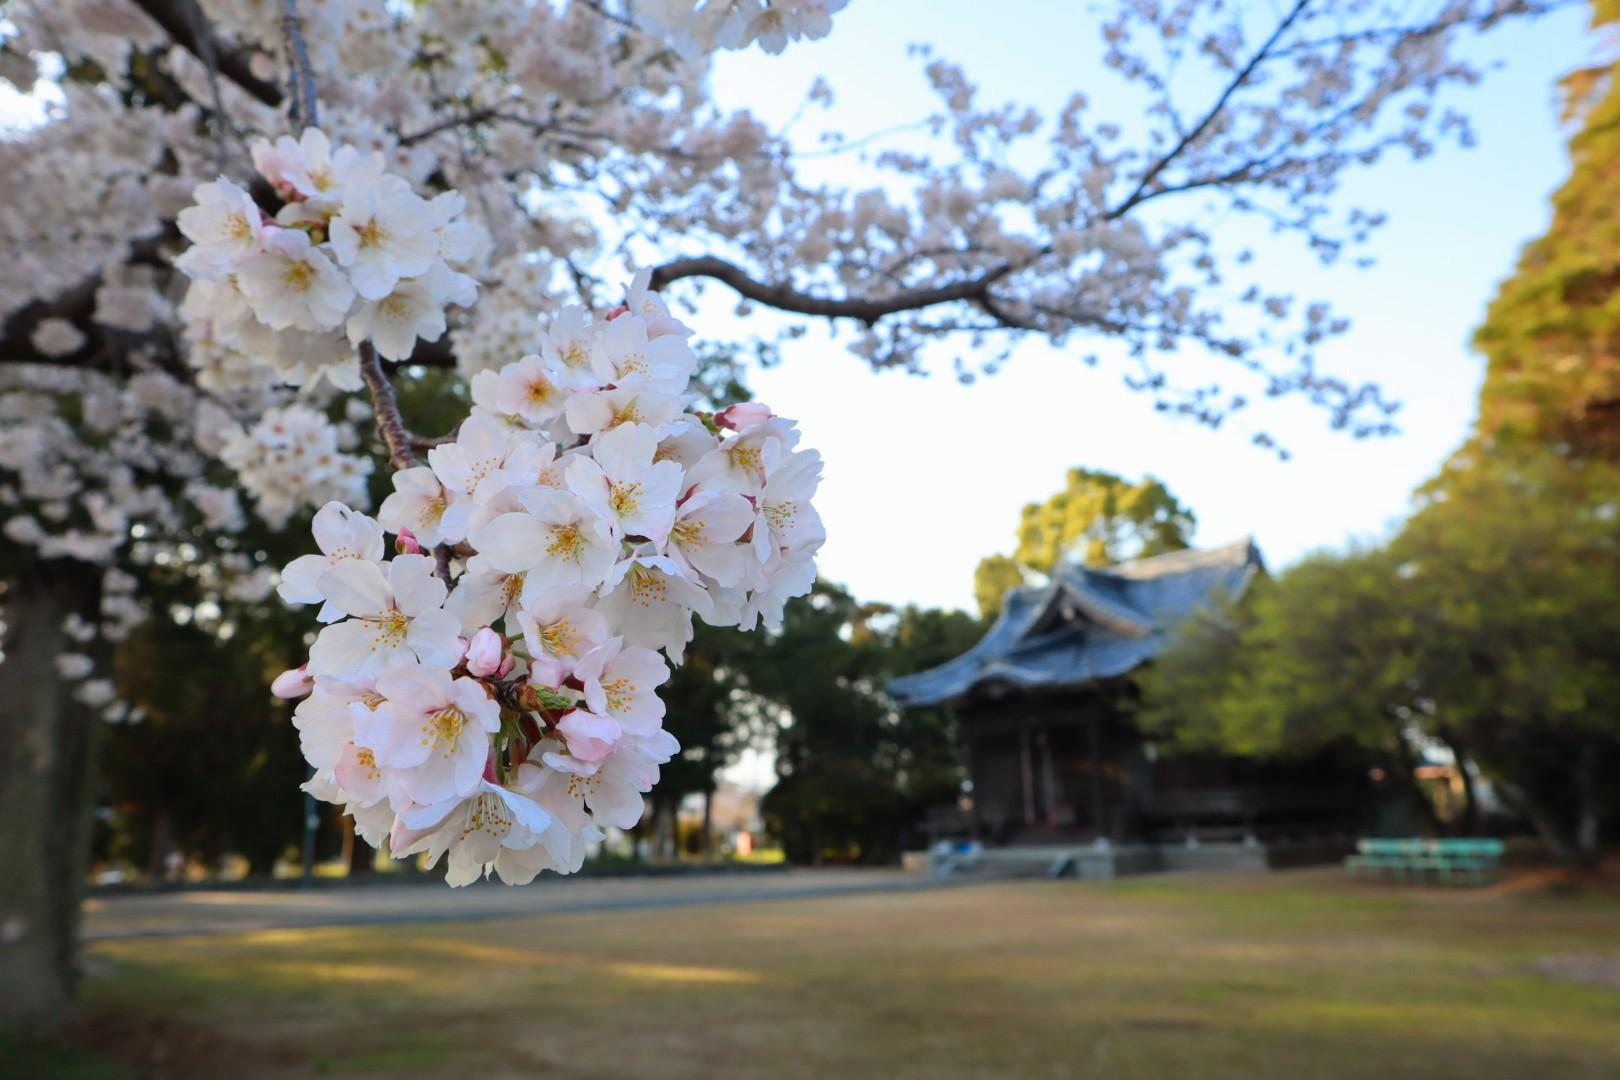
(1086, 624)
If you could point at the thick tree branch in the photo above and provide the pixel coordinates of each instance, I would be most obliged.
(787, 298)
(179, 19)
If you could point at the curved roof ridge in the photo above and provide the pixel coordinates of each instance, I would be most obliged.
(1236, 553)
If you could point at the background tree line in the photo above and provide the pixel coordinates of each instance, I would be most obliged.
(1490, 621)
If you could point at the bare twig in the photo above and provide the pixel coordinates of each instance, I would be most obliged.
(220, 122)
(302, 79)
(390, 425)
(1215, 110)
(399, 440)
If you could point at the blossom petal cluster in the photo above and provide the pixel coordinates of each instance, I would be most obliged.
(351, 254)
(490, 692)
(699, 26)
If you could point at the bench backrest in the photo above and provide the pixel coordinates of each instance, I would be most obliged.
(1409, 849)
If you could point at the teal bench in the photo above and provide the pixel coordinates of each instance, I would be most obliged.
(1447, 862)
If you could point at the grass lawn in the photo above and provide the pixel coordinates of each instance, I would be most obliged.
(1299, 975)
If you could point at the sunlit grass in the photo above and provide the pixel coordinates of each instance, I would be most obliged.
(1289, 975)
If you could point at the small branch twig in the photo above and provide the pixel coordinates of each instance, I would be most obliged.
(399, 440)
(220, 122)
(1215, 110)
(428, 442)
(305, 111)
(390, 425)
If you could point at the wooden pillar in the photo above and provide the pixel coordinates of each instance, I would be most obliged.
(1099, 808)
(1026, 774)
(1048, 777)
(970, 759)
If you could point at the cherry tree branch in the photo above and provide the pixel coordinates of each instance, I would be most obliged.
(399, 439)
(784, 297)
(1216, 109)
(302, 77)
(390, 424)
(180, 19)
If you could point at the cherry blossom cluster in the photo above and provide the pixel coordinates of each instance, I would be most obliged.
(699, 26)
(352, 252)
(491, 691)
(292, 458)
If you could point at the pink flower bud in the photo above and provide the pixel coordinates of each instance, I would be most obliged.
(406, 544)
(590, 736)
(262, 67)
(293, 683)
(622, 309)
(548, 673)
(742, 416)
(484, 653)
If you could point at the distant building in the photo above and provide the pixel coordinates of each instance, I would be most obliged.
(1043, 703)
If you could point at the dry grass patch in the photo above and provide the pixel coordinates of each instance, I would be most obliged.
(1285, 975)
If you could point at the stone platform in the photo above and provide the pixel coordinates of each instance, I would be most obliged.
(1094, 862)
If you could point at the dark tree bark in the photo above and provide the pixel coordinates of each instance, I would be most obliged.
(1543, 820)
(706, 842)
(1588, 829)
(45, 785)
(1469, 826)
(1403, 766)
(359, 856)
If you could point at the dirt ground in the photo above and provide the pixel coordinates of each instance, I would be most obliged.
(1295, 974)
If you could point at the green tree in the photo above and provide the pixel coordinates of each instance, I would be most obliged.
(1552, 334)
(854, 771)
(1317, 657)
(1098, 519)
(1487, 623)
(1514, 566)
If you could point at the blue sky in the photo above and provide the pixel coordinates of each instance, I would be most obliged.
(924, 476)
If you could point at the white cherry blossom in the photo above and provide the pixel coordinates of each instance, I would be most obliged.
(431, 732)
(341, 534)
(292, 284)
(556, 540)
(396, 615)
(704, 538)
(418, 503)
(383, 233)
(224, 227)
(623, 483)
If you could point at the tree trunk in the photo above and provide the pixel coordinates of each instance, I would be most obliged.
(359, 856)
(157, 860)
(1543, 821)
(1588, 830)
(706, 842)
(45, 783)
(1470, 816)
(1404, 765)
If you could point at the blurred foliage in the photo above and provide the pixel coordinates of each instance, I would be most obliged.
(1488, 624)
(855, 773)
(1552, 334)
(1098, 519)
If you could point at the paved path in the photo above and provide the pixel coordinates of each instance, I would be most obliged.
(228, 911)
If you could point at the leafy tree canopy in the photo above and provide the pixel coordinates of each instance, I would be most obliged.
(1097, 518)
